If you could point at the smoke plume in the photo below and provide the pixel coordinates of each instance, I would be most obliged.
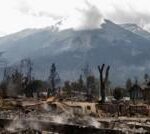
(86, 18)
(91, 18)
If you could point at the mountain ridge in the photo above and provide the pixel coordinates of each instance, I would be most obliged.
(126, 52)
(136, 29)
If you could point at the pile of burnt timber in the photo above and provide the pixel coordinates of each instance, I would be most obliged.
(57, 128)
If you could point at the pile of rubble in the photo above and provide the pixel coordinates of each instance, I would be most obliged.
(124, 109)
(73, 117)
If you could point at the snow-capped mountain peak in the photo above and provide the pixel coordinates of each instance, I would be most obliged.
(124, 50)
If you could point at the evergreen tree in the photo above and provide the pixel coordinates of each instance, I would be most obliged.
(81, 86)
(54, 79)
(128, 84)
(118, 93)
(91, 84)
(67, 88)
(146, 78)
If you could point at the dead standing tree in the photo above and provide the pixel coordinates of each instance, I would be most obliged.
(26, 67)
(103, 81)
(54, 80)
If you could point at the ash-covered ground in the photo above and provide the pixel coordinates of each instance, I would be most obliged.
(44, 117)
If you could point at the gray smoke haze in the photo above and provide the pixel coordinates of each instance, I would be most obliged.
(26, 13)
(91, 18)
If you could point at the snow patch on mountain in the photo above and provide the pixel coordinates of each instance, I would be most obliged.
(137, 30)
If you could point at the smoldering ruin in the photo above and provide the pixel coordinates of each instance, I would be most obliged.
(32, 116)
(38, 94)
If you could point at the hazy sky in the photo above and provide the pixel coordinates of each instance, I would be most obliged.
(20, 14)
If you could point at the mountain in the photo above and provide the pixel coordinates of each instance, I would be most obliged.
(137, 30)
(126, 52)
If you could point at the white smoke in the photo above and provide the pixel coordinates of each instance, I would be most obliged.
(14, 125)
(85, 18)
(91, 18)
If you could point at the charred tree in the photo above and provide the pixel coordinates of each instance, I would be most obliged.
(87, 73)
(54, 79)
(103, 81)
(53, 70)
(26, 70)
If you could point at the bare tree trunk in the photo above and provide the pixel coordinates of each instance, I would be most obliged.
(103, 81)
